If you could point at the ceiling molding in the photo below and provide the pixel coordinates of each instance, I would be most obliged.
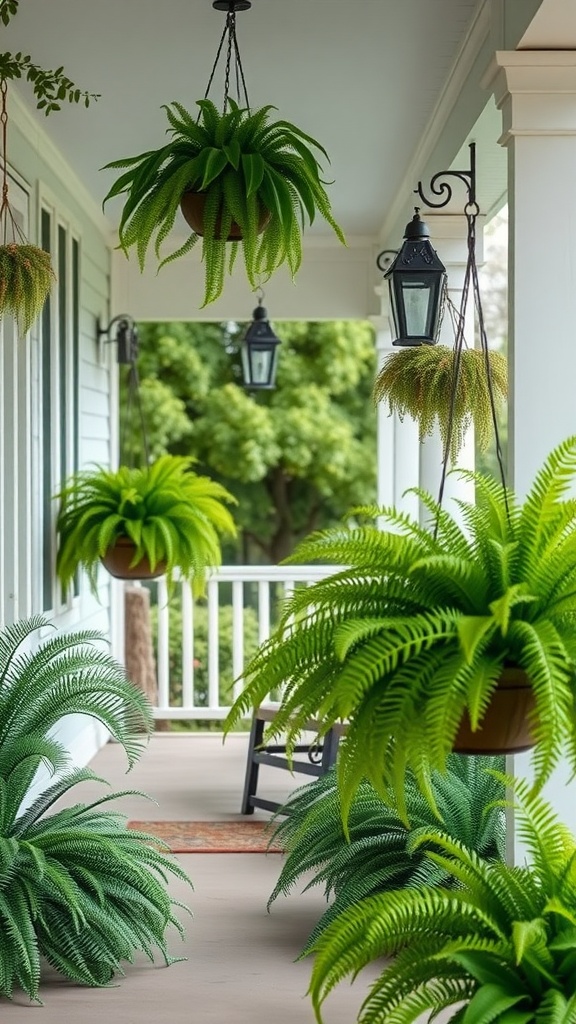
(476, 38)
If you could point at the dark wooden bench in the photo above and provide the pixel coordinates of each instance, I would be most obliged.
(320, 756)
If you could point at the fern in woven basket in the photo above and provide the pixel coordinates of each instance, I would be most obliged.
(416, 631)
(419, 382)
(499, 948)
(246, 166)
(76, 886)
(379, 853)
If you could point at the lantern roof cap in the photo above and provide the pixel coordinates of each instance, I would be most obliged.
(416, 228)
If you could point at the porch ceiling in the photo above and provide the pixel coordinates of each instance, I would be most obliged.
(363, 76)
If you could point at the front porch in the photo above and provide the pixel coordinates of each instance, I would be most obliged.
(240, 964)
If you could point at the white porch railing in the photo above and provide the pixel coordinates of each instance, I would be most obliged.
(252, 592)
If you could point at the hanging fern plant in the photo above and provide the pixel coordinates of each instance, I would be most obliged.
(420, 381)
(26, 274)
(259, 180)
(410, 642)
(26, 277)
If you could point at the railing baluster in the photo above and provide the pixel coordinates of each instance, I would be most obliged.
(284, 580)
(237, 635)
(213, 641)
(187, 646)
(263, 610)
(163, 666)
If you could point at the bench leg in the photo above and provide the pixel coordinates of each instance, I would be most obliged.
(252, 766)
(329, 749)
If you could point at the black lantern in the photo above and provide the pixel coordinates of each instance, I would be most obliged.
(259, 352)
(417, 287)
(126, 337)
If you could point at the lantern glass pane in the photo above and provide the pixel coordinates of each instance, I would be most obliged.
(418, 307)
(261, 362)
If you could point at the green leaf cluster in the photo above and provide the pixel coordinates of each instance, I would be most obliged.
(8, 8)
(380, 854)
(26, 277)
(419, 382)
(417, 628)
(51, 87)
(76, 886)
(246, 166)
(167, 510)
(498, 949)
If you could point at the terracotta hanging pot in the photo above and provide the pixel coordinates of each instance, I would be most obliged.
(192, 206)
(119, 556)
(505, 727)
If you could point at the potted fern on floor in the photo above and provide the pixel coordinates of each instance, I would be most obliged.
(429, 639)
(77, 887)
(378, 853)
(500, 946)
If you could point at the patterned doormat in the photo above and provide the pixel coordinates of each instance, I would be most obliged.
(211, 836)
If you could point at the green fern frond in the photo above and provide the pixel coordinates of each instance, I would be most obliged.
(504, 938)
(77, 887)
(377, 855)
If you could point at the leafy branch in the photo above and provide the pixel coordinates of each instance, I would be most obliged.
(8, 9)
(50, 87)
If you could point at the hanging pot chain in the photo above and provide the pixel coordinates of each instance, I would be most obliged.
(232, 49)
(134, 402)
(6, 216)
(471, 212)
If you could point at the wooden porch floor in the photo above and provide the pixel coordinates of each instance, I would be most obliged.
(240, 967)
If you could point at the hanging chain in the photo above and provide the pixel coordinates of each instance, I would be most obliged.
(134, 402)
(471, 278)
(6, 216)
(232, 53)
(4, 121)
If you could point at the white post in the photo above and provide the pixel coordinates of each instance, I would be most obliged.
(397, 447)
(536, 92)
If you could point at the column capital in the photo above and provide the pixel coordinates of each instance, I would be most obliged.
(381, 322)
(449, 233)
(535, 91)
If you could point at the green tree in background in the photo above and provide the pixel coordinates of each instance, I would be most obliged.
(494, 294)
(297, 458)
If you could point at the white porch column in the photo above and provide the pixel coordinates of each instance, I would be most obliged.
(449, 236)
(397, 442)
(536, 92)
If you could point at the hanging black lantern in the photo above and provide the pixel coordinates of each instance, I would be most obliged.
(259, 352)
(417, 287)
(126, 337)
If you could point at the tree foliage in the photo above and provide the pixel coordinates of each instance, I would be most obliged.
(296, 458)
